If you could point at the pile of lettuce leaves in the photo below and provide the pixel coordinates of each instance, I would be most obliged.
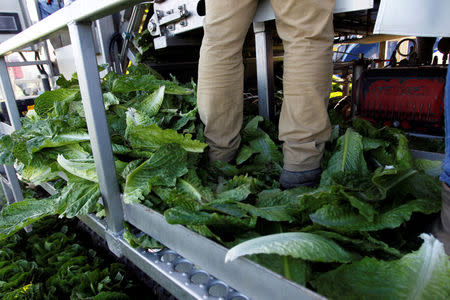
(54, 262)
(355, 235)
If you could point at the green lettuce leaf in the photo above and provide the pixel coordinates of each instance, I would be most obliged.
(346, 219)
(349, 157)
(176, 197)
(84, 168)
(126, 84)
(140, 241)
(109, 99)
(161, 169)
(302, 245)
(229, 207)
(179, 215)
(152, 103)
(192, 185)
(430, 167)
(40, 169)
(364, 244)
(52, 141)
(79, 197)
(185, 118)
(291, 268)
(45, 103)
(151, 137)
(244, 154)
(19, 215)
(278, 213)
(423, 274)
(6, 150)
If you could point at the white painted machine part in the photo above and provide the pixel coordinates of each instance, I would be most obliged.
(414, 17)
(265, 12)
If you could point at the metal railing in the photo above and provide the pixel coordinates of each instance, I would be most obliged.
(241, 275)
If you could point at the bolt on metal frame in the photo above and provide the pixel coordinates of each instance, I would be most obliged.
(244, 275)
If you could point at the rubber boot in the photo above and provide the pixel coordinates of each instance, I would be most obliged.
(441, 229)
(290, 180)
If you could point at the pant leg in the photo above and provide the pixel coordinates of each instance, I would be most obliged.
(221, 74)
(306, 28)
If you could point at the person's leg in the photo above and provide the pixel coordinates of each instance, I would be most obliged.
(221, 74)
(442, 230)
(306, 28)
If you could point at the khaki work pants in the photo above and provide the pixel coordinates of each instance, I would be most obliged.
(306, 28)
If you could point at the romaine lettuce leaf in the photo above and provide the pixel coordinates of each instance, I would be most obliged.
(423, 274)
(302, 245)
(161, 169)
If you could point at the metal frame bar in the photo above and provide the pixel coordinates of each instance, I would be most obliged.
(264, 69)
(27, 63)
(78, 11)
(13, 191)
(242, 274)
(5, 128)
(7, 190)
(8, 93)
(92, 98)
(14, 183)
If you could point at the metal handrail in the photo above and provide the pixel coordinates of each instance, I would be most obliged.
(79, 11)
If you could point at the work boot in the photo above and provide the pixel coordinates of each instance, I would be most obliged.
(290, 180)
(441, 228)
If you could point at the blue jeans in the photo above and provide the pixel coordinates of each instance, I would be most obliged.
(445, 176)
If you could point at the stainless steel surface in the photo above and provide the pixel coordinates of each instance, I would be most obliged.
(80, 10)
(265, 11)
(264, 68)
(352, 5)
(105, 31)
(133, 25)
(414, 18)
(178, 275)
(428, 155)
(27, 63)
(242, 274)
(14, 183)
(51, 71)
(14, 118)
(48, 188)
(174, 17)
(97, 225)
(7, 191)
(8, 93)
(131, 56)
(5, 129)
(425, 136)
(92, 97)
(175, 273)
